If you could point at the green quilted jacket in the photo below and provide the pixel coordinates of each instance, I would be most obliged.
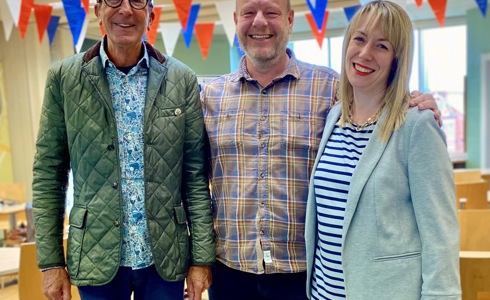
(78, 132)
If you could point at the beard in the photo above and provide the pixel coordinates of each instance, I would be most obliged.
(264, 55)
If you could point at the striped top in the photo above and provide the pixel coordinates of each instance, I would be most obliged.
(332, 178)
(263, 144)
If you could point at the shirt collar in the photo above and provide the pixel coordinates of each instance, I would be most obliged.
(291, 70)
(143, 62)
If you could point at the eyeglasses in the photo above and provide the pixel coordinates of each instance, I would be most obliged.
(136, 4)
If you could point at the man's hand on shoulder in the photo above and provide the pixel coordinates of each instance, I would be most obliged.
(426, 101)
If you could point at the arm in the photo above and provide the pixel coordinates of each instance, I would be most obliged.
(197, 201)
(426, 101)
(434, 202)
(50, 178)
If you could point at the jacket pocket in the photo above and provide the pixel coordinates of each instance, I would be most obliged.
(78, 216)
(397, 256)
(182, 236)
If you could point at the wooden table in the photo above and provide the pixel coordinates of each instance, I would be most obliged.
(9, 262)
(11, 210)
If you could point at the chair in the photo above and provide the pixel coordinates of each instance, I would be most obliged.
(474, 229)
(30, 277)
(472, 195)
(475, 275)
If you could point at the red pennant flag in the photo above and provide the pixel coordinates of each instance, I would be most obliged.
(419, 3)
(183, 8)
(439, 9)
(102, 31)
(152, 33)
(204, 36)
(43, 15)
(86, 5)
(25, 14)
(319, 34)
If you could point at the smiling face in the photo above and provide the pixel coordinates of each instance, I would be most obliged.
(124, 25)
(263, 28)
(369, 59)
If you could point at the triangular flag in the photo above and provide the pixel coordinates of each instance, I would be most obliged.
(317, 9)
(52, 28)
(482, 5)
(319, 34)
(204, 36)
(183, 8)
(191, 21)
(25, 15)
(14, 8)
(170, 35)
(350, 11)
(439, 9)
(76, 17)
(7, 20)
(236, 42)
(102, 31)
(86, 5)
(42, 14)
(83, 33)
(419, 3)
(152, 33)
(225, 12)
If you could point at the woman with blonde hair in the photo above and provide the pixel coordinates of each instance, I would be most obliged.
(381, 218)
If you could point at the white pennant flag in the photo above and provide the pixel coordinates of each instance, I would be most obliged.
(225, 11)
(7, 21)
(170, 34)
(14, 8)
(81, 37)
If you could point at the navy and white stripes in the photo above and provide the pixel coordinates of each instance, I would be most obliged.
(332, 178)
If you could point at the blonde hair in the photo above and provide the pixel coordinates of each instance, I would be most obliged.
(397, 29)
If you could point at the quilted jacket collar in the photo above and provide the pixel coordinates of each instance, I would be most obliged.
(95, 50)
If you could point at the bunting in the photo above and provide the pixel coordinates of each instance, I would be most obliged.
(7, 20)
(225, 11)
(170, 34)
(25, 15)
(350, 11)
(43, 15)
(152, 33)
(482, 5)
(52, 28)
(81, 36)
(236, 42)
(204, 36)
(86, 5)
(14, 8)
(183, 8)
(76, 16)
(318, 34)
(419, 3)
(317, 9)
(439, 9)
(191, 21)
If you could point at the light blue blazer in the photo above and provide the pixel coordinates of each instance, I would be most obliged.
(401, 233)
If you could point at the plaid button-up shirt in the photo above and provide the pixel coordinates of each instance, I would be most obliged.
(263, 142)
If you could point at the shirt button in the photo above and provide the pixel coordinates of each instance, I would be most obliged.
(262, 175)
(261, 232)
(262, 145)
(263, 118)
(116, 223)
(110, 147)
(114, 185)
(264, 92)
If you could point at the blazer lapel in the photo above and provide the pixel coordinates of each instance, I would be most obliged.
(362, 172)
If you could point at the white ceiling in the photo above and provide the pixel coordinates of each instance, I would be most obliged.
(455, 14)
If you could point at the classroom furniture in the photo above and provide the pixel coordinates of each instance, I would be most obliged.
(475, 274)
(474, 229)
(471, 189)
(9, 262)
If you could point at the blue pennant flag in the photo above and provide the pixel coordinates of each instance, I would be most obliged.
(351, 11)
(238, 46)
(318, 11)
(75, 14)
(54, 21)
(482, 5)
(191, 21)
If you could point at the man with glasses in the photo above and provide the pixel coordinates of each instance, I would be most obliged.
(128, 123)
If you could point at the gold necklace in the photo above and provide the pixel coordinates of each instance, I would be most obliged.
(371, 120)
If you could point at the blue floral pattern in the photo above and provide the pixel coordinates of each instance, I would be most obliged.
(128, 99)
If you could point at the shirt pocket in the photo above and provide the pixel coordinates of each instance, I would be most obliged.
(300, 130)
(225, 130)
